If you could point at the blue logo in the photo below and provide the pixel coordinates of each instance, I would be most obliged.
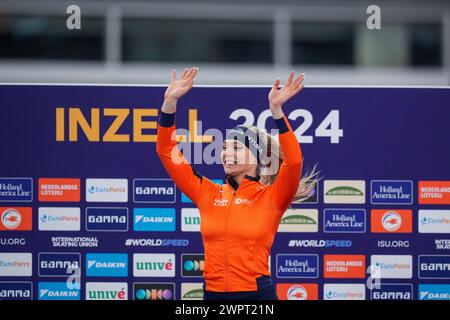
(297, 265)
(434, 292)
(434, 267)
(392, 292)
(59, 291)
(16, 291)
(107, 219)
(391, 192)
(106, 265)
(154, 219)
(185, 199)
(344, 220)
(58, 264)
(16, 189)
(154, 190)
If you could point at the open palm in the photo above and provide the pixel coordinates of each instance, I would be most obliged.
(277, 97)
(179, 88)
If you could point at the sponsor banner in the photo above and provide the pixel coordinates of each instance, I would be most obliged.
(392, 291)
(19, 290)
(154, 219)
(434, 192)
(190, 220)
(192, 291)
(59, 190)
(391, 266)
(106, 291)
(59, 219)
(297, 265)
(297, 291)
(106, 190)
(106, 265)
(154, 291)
(391, 221)
(59, 291)
(344, 291)
(193, 265)
(434, 291)
(344, 266)
(16, 219)
(299, 220)
(434, 221)
(344, 220)
(106, 219)
(391, 192)
(154, 191)
(153, 265)
(58, 264)
(16, 189)
(344, 191)
(434, 267)
(14, 264)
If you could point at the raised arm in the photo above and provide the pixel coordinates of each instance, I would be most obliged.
(176, 165)
(287, 181)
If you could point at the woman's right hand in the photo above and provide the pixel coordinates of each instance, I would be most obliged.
(179, 88)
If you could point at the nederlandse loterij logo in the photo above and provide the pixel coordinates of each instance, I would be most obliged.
(59, 189)
(434, 192)
(153, 265)
(299, 220)
(107, 265)
(106, 291)
(15, 218)
(154, 191)
(16, 189)
(59, 219)
(107, 190)
(344, 266)
(434, 221)
(344, 191)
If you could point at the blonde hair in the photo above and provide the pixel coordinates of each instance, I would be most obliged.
(273, 153)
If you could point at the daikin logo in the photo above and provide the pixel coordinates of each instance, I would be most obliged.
(107, 265)
(154, 219)
(59, 291)
(434, 292)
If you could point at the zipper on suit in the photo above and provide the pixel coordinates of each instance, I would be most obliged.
(226, 242)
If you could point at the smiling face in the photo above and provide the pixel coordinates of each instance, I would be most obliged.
(237, 158)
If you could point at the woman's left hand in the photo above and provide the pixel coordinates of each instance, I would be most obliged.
(277, 97)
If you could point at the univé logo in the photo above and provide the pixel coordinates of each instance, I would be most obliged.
(15, 218)
(297, 291)
(154, 291)
(106, 291)
(154, 265)
(391, 221)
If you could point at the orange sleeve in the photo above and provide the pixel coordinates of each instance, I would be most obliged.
(287, 181)
(176, 165)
